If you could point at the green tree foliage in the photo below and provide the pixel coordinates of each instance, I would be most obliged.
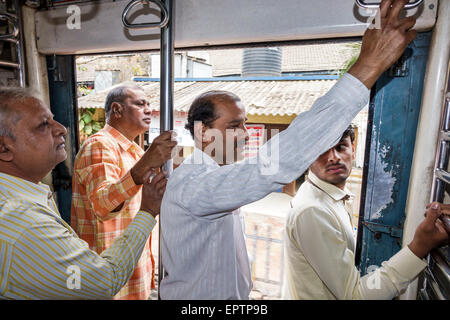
(86, 123)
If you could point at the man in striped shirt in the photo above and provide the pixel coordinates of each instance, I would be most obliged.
(202, 239)
(107, 181)
(41, 257)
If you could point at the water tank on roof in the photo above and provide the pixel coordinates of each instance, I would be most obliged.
(261, 62)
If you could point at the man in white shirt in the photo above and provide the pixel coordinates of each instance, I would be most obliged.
(319, 242)
(202, 239)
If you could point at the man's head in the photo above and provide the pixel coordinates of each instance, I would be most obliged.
(128, 110)
(31, 142)
(335, 165)
(216, 120)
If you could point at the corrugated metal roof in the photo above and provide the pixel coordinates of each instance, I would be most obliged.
(283, 98)
(298, 58)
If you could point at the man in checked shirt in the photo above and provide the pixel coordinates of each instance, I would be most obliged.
(108, 175)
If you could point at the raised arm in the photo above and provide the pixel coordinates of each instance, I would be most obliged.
(280, 161)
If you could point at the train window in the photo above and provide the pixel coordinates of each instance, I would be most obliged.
(275, 83)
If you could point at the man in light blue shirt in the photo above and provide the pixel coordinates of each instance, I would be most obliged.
(202, 240)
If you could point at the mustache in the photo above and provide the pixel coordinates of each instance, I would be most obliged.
(335, 166)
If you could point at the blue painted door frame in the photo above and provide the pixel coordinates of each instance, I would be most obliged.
(63, 104)
(393, 116)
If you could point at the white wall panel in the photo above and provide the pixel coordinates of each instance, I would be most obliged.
(209, 22)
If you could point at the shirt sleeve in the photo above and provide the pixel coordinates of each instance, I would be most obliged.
(98, 169)
(325, 248)
(50, 262)
(281, 160)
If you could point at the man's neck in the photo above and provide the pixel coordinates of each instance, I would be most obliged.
(341, 185)
(19, 174)
(127, 133)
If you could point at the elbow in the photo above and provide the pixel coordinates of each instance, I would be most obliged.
(104, 208)
(103, 212)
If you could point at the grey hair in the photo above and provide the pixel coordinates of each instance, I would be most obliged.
(118, 94)
(9, 113)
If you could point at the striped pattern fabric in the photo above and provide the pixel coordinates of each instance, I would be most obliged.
(201, 239)
(101, 182)
(41, 257)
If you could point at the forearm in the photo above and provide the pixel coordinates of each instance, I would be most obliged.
(325, 248)
(368, 75)
(392, 278)
(109, 195)
(53, 263)
(126, 250)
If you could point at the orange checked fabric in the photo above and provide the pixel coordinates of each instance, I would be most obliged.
(101, 182)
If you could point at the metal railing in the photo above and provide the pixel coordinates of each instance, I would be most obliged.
(442, 176)
(436, 278)
(265, 258)
(364, 5)
(15, 38)
(167, 77)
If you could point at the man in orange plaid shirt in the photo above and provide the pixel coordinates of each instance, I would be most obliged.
(108, 175)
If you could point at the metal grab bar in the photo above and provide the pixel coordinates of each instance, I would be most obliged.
(445, 135)
(9, 64)
(11, 18)
(161, 24)
(362, 4)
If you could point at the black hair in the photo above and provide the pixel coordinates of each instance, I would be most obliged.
(349, 132)
(203, 108)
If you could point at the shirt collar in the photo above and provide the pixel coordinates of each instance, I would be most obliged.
(330, 189)
(123, 141)
(15, 187)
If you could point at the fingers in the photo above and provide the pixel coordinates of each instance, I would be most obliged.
(432, 214)
(159, 183)
(155, 187)
(167, 136)
(397, 7)
(440, 226)
(410, 36)
(445, 208)
(384, 7)
(407, 23)
(161, 187)
(147, 176)
(160, 176)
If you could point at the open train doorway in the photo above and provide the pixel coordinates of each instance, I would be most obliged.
(275, 83)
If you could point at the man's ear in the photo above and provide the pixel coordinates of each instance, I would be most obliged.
(116, 109)
(5, 149)
(200, 132)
